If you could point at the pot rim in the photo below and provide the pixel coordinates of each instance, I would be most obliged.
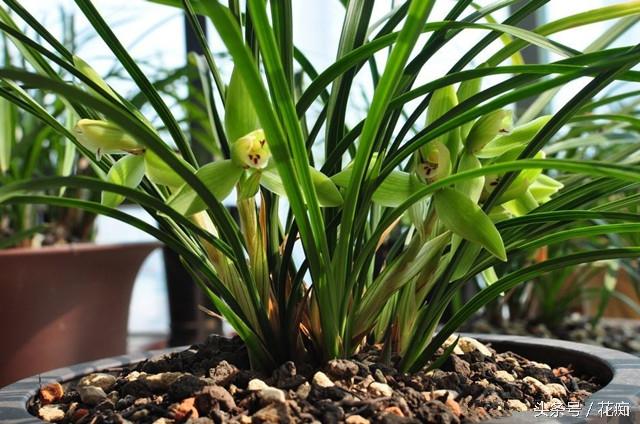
(623, 386)
(78, 248)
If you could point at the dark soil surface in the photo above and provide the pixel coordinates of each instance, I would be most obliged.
(619, 334)
(211, 383)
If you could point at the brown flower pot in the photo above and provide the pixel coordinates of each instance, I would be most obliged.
(65, 304)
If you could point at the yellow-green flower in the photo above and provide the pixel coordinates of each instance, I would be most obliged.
(251, 151)
(434, 162)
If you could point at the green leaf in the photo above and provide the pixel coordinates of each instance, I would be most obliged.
(443, 358)
(90, 73)
(472, 188)
(161, 173)
(7, 124)
(464, 218)
(129, 172)
(393, 191)
(328, 193)
(247, 188)
(220, 177)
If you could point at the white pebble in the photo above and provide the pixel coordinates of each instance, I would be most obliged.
(51, 413)
(517, 405)
(467, 344)
(272, 395)
(505, 375)
(381, 389)
(321, 379)
(257, 384)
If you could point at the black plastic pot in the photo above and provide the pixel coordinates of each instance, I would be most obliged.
(618, 371)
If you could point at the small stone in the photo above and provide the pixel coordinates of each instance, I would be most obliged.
(105, 405)
(164, 421)
(440, 394)
(101, 380)
(256, 384)
(536, 385)
(71, 410)
(134, 375)
(454, 406)
(223, 373)
(467, 344)
(113, 396)
(91, 395)
(483, 383)
(380, 389)
(212, 398)
(379, 376)
(184, 410)
(274, 413)
(394, 410)
(556, 390)
(140, 414)
(286, 376)
(539, 365)
(185, 387)
(366, 382)
(517, 405)
(245, 419)
(51, 413)
(303, 390)
(356, 419)
(271, 395)
(396, 419)
(505, 376)
(459, 365)
(161, 382)
(51, 393)
(79, 414)
(450, 340)
(142, 401)
(136, 388)
(321, 379)
(342, 368)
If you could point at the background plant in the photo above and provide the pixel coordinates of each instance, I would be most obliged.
(469, 180)
(601, 131)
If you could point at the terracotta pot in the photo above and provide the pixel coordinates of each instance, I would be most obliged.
(619, 372)
(616, 308)
(65, 304)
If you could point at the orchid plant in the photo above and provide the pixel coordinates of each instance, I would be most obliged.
(443, 162)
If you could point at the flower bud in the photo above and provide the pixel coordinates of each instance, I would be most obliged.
(487, 128)
(105, 137)
(466, 90)
(442, 101)
(251, 151)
